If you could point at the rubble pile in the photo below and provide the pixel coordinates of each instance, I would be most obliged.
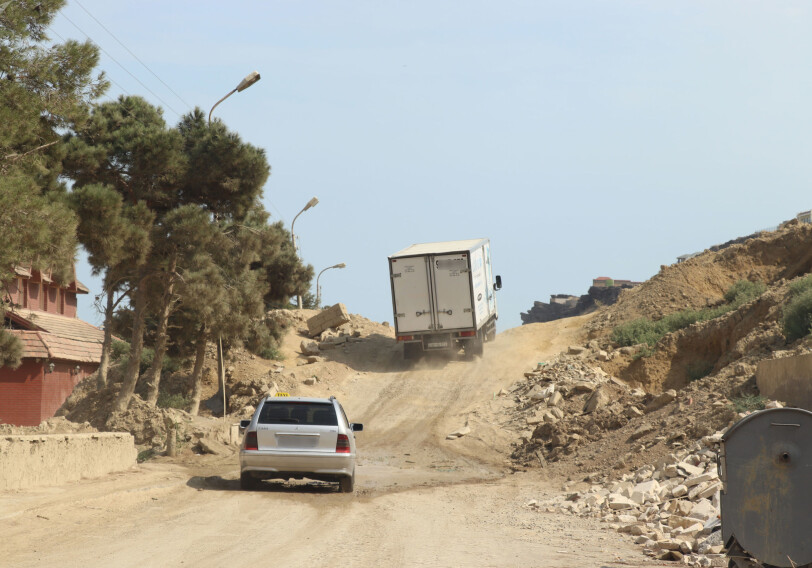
(565, 406)
(55, 425)
(244, 395)
(671, 509)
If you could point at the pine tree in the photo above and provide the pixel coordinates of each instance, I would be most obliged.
(127, 146)
(116, 237)
(44, 91)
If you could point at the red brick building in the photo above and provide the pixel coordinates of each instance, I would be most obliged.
(59, 349)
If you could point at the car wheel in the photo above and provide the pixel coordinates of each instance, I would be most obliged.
(248, 482)
(347, 484)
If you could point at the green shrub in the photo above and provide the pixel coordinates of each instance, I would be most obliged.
(679, 320)
(800, 286)
(637, 331)
(271, 353)
(797, 321)
(145, 455)
(748, 403)
(743, 291)
(147, 355)
(170, 365)
(119, 349)
(646, 351)
(646, 331)
(166, 400)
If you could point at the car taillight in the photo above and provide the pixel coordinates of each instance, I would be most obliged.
(251, 441)
(342, 444)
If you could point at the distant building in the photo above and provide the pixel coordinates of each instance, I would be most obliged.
(606, 282)
(804, 217)
(59, 350)
(684, 257)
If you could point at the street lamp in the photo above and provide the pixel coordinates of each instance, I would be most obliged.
(318, 288)
(249, 80)
(312, 203)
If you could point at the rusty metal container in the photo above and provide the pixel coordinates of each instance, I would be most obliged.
(765, 465)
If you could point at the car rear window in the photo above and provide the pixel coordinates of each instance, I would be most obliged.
(314, 413)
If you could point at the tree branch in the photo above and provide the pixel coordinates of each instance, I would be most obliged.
(15, 157)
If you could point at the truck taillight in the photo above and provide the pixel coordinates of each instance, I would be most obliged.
(467, 333)
(343, 444)
(405, 337)
(251, 441)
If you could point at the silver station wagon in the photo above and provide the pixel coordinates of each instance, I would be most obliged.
(298, 437)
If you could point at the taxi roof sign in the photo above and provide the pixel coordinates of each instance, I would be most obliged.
(281, 394)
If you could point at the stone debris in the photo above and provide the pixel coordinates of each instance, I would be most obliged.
(465, 430)
(672, 510)
(309, 347)
(332, 317)
(568, 408)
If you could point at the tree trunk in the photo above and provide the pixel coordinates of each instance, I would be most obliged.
(197, 372)
(136, 346)
(171, 436)
(104, 365)
(161, 338)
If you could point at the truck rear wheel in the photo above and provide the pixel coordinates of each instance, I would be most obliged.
(412, 351)
(474, 348)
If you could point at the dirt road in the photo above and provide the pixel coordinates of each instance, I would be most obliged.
(421, 500)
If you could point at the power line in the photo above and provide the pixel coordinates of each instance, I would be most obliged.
(107, 96)
(124, 68)
(122, 89)
(133, 54)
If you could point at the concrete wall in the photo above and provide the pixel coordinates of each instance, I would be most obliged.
(788, 379)
(55, 459)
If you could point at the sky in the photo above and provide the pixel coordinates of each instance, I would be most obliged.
(584, 138)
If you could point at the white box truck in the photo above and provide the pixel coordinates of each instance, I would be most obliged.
(443, 297)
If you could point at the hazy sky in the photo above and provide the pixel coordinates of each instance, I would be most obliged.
(583, 139)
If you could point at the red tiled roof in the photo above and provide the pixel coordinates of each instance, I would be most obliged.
(32, 343)
(59, 337)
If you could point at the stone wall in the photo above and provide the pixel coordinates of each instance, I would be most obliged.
(56, 459)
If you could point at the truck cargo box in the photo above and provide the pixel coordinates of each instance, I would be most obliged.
(443, 296)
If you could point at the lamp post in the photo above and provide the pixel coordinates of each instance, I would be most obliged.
(318, 288)
(312, 203)
(247, 81)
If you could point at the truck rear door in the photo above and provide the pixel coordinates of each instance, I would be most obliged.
(411, 292)
(452, 287)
